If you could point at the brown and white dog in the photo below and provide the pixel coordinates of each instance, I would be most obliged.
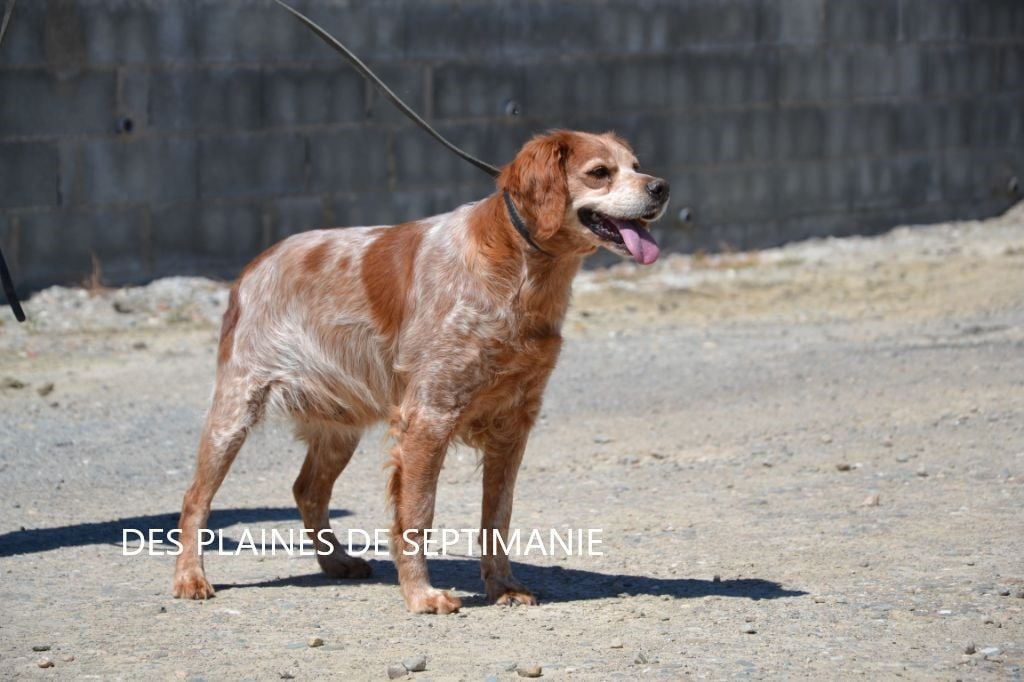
(448, 327)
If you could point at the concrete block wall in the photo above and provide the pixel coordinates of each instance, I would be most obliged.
(184, 136)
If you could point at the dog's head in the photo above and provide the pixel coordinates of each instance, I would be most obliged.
(578, 191)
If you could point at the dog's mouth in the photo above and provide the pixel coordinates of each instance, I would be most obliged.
(630, 235)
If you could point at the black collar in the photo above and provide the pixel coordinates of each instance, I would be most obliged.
(517, 222)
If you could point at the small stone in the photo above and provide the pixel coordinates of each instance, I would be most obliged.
(67, 658)
(11, 382)
(531, 671)
(396, 671)
(40, 647)
(616, 644)
(1019, 594)
(716, 578)
(826, 439)
(1004, 592)
(123, 308)
(314, 642)
(923, 473)
(140, 345)
(843, 466)
(872, 500)
(640, 658)
(415, 664)
(902, 458)
(991, 651)
(285, 675)
(987, 620)
(969, 648)
(749, 630)
(602, 439)
(44, 662)
(46, 389)
(819, 600)
(162, 609)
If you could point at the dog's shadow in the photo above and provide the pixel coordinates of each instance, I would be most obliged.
(550, 583)
(32, 540)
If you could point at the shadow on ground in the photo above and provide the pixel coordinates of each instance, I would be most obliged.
(549, 583)
(29, 541)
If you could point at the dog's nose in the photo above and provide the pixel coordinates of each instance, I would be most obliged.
(658, 189)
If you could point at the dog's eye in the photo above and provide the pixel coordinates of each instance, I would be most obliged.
(598, 172)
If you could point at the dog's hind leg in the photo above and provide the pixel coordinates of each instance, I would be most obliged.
(330, 449)
(237, 406)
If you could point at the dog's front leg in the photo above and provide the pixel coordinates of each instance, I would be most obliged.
(503, 453)
(422, 438)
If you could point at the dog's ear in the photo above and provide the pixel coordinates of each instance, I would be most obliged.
(536, 181)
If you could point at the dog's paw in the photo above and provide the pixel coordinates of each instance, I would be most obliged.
(192, 585)
(345, 566)
(433, 600)
(516, 597)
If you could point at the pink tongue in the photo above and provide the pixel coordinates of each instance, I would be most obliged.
(639, 242)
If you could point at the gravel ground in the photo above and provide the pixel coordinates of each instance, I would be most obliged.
(804, 462)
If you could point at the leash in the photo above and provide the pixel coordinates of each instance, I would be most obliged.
(5, 274)
(517, 220)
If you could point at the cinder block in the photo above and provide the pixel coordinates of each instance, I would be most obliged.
(319, 95)
(28, 174)
(931, 20)
(995, 20)
(408, 81)
(477, 89)
(809, 188)
(38, 102)
(737, 193)
(25, 41)
(291, 215)
(420, 162)
(801, 133)
(737, 78)
(706, 23)
(800, 22)
(565, 89)
(57, 246)
(128, 170)
(349, 161)
(133, 98)
(1011, 68)
(862, 21)
(217, 98)
(252, 165)
(919, 179)
(946, 71)
(540, 28)
(121, 32)
(862, 129)
(216, 239)
(450, 30)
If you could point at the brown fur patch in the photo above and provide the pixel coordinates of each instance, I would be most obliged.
(387, 273)
(227, 328)
(315, 258)
(536, 181)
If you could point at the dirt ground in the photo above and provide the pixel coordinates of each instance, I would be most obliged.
(803, 462)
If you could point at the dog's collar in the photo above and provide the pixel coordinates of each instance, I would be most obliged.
(517, 222)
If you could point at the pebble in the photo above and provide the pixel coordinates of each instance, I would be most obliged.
(67, 658)
(44, 663)
(903, 458)
(987, 620)
(314, 642)
(991, 651)
(640, 658)
(46, 389)
(749, 630)
(415, 664)
(826, 439)
(396, 671)
(616, 644)
(843, 466)
(11, 382)
(819, 600)
(970, 648)
(1019, 594)
(601, 440)
(1004, 592)
(716, 578)
(40, 647)
(923, 473)
(285, 675)
(531, 671)
(872, 500)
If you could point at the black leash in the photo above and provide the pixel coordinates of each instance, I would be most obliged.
(5, 274)
(365, 72)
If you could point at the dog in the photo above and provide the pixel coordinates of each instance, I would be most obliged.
(448, 327)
